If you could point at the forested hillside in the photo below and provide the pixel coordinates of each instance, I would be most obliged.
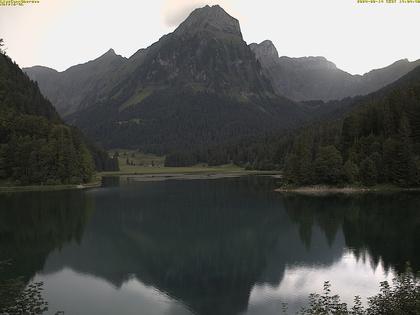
(67, 90)
(376, 142)
(36, 147)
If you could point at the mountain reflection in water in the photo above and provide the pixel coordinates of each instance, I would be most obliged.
(226, 246)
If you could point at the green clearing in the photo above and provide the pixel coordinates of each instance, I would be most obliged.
(143, 170)
(137, 163)
(136, 98)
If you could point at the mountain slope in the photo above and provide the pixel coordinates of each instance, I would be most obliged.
(197, 86)
(316, 78)
(66, 90)
(378, 141)
(377, 134)
(35, 145)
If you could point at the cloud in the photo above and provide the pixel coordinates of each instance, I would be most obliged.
(175, 11)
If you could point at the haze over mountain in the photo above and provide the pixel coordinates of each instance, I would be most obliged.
(199, 85)
(316, 78)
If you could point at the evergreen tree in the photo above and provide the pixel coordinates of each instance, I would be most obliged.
(368, 172)
(378, 161)
(299, 168)
(351, 172)
(348, 135)
(328, 166)
(291, 169)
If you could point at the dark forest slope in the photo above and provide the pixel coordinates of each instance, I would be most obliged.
(369, 140)
(377, 142)
(35, 145)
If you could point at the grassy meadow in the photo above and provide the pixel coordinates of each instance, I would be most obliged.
(134, 162)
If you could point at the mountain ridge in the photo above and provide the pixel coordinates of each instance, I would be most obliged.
(316, 78)
(200, 77)
(199, 85)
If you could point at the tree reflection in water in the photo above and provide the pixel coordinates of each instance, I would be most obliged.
(206, 244)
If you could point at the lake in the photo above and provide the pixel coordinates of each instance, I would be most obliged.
(205, 247)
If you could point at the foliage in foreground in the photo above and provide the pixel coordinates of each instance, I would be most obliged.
(26, 300)
(401, 298)
(16, 298)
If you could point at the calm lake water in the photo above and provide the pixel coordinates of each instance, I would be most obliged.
(205, 247)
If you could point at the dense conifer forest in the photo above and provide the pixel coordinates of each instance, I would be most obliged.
(36, 147)
(376, 142)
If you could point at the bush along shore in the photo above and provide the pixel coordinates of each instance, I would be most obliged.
(402, 297)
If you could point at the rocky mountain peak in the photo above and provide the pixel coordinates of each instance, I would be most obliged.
(109, 54)
(212, 19)
(265, 50)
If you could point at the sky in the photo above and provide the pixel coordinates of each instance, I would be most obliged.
(356, 37)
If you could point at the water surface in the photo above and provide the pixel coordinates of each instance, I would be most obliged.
(204, 247)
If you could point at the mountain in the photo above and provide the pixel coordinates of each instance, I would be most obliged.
(364, 140)
(66, 90)
(197, 86)
(316, 78)
(36, 147)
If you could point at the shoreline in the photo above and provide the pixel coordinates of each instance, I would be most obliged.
(159, 175)
(185, 171)
(187, 176)
(327, 190)
(39, 188)
(182, 173)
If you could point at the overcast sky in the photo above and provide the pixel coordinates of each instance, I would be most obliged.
(356, 37)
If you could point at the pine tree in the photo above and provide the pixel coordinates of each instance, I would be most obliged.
(328, 166)
(368, 172)
(351, 172)
(399, 161)
(377, 159)
(348, 134)
(3, 158)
